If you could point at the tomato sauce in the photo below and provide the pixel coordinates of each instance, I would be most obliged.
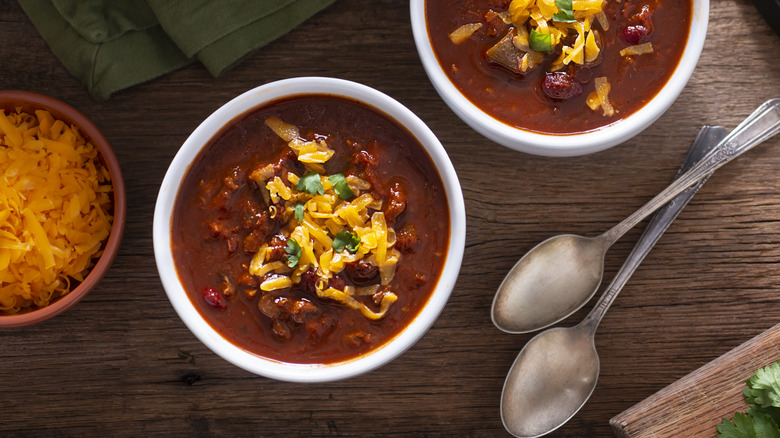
(220, 218)
(519, 100)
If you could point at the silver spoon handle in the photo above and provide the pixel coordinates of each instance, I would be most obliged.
(762, 124)
(707, 140)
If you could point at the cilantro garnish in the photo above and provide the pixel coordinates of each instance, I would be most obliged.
(540, 42)
(299, 211)
(565, 12)
(294, 252)
(310, 183)
(345, 239)
(761, 419)
(340, 186)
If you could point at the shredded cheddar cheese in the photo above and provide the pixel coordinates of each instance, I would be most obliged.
(600, 97)
(639, 49)
(55, 203)
(316, 227)
(463, 33)
(543, 17)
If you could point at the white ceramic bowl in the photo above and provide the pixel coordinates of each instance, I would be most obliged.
(201, 136)
(567, 144)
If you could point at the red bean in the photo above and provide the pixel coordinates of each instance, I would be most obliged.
(361, 272)
(635, 34)
(214, 298)
(560, 85)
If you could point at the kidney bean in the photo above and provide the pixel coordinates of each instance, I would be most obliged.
(361, 272)
(309, 280)
(560, 85)
(337, 282)
(635, 34)
(214, 298)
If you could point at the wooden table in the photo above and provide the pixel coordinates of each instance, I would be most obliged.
(122, 363)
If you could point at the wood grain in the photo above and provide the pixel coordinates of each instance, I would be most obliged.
(694, 405)
(121, 363)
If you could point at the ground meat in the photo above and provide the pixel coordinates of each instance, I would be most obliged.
(364, 166)
(285, 313)
(273, 306)
(420, 279)
(264, 225)
(246, 279)
(396, 203)
(232, 244)
(252, 213)
(406, 239)
(282, 330)
(321, 326)
(357, 338)
(216, 229)
(302, 310)
(277, 248)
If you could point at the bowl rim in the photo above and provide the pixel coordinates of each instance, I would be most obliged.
(244, 103)
(61, 110)
(561, 145)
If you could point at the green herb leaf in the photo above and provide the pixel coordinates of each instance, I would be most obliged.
(748, 426)
(345, 239)
(740, 426)
(340, 186)
(565, 12)
(761, 419)
(772, 412)
(540, 42)
(310, 183)
(764, 387)
(294, 252)
(299, 211)
(765, 427)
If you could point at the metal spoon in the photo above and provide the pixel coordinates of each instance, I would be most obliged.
(561, 274)
(556, 371)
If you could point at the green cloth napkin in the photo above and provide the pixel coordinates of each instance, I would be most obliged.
(110, 45)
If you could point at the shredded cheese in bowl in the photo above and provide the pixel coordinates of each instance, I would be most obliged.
(55, 209)
(332, 226)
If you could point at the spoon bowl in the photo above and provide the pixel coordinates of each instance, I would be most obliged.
(551, 379)
(543, 299)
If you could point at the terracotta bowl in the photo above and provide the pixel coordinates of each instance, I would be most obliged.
(28, 101)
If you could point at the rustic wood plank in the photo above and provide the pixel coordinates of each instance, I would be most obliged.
(694, 405)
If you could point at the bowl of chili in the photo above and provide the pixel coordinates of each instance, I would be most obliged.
(310, 229)
(559, 77)
(63, 207)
